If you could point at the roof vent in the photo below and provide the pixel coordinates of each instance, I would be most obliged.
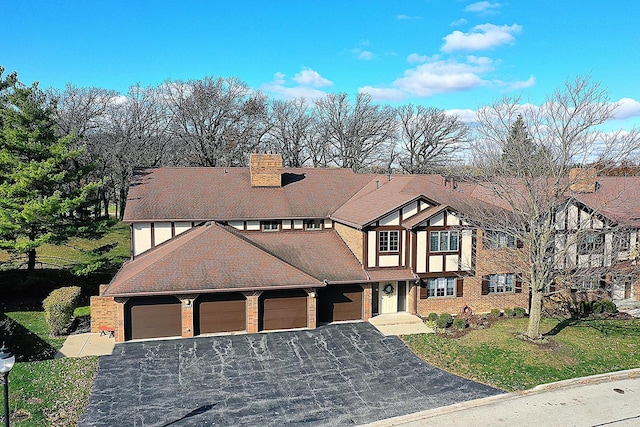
(266, 170)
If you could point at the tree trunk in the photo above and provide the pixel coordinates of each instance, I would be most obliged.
(535, 312)
(31, 263)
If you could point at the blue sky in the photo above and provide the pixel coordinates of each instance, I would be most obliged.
(451, 54)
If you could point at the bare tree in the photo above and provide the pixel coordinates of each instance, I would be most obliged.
(532, 200)
(219, 120)
(357, 132)
(291, 131)
(428, 137)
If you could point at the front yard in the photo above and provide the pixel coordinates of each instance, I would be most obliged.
(44, 391)
(496, 357)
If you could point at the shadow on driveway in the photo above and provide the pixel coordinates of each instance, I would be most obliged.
(335, 375)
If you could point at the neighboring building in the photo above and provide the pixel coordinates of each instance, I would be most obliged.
(266, 248)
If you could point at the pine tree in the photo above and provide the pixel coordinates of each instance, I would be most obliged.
(43, 190)
(520, 154)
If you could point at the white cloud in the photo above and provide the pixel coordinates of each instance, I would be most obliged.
(458, 22)
(484, 36)
(365, 55)
(403, 17)
(304, 84)
(627, 108)
(309, 77)
(433, 77)
(383, 94)
(279, 78)
(483, 7)
(517, 85)
(467, 115)
(415, 58)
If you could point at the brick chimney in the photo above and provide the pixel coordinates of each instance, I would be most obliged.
(583, 180)
(266, 170)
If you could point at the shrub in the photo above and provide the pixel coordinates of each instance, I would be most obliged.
(495, 313)
(459, 323)
(444, 320)
(519, 312)
(432, 317)
(596, 307)
(58, 308)
(608, 306)
(508, 312)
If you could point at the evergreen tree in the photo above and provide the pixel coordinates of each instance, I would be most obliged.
(43, 191)
(521, 156)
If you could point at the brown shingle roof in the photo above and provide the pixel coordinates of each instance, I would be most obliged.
(206, 258)
(423, 215)
(320, 253)
(224, 194)
(617, 198)
(391, 274)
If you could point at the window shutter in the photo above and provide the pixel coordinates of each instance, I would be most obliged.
(459, 283)
(423, 291)
(552, 287)
(485, 285)
(518, 285)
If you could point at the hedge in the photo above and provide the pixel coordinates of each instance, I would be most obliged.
(58, 308)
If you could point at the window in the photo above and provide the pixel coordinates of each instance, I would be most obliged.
(623, 240)
(501, 283)
(590, 283)
(388, 241)
(444, 241)
(499, 239)
(591, 242)
(313, 224)
(441, 287)
(270, 225)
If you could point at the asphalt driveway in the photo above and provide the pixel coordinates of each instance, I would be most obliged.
(335, 375)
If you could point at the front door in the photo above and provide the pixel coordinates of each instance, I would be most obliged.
(388, 297)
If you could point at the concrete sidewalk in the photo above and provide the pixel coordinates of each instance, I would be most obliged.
(86, 345)
(399, 324)
(607, 399)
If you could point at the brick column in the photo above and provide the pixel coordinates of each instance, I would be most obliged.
(187, 303)
(366, 315)
(312, 303)
(413, 295)
(119, 334)
(252, 310)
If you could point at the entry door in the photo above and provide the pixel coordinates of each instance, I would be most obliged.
(388, 297)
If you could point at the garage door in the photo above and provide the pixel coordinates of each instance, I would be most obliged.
(337, 303)
(283, 310)
(221, 313)
(153, 318)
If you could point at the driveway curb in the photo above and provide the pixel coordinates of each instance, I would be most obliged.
(501, 398)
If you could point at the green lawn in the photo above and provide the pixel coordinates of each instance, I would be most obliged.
(45, 391)
(495, 356)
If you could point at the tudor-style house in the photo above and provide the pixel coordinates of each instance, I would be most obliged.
(265, 248)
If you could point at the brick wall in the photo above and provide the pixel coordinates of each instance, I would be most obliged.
(488, 261)
(187, 302)
(367, 301)
(353, 239)
(103, 312)
(266, 170)
(312, 303)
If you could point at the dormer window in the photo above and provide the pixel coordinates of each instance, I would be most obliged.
(388, 240)
(270, 225)
(313, 224)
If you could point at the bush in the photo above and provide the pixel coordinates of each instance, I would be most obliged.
(519, 312)
(609, 306)
(459, 323)
(444, 320)
(58, 308)
(508, 312)
(432, 317)
(495, 313)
